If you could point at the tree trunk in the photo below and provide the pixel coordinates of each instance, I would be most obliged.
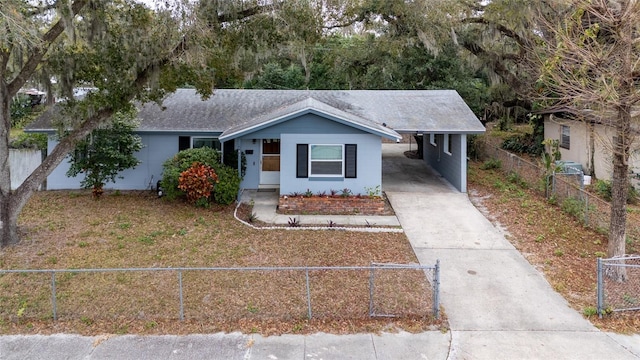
(619, 191)
(8, 219)
(12, 203)
(591, 164)
(618, 221)
(621, 149)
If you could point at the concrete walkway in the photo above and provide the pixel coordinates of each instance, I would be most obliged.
(265, 202)
(498, 305)
(235, 346)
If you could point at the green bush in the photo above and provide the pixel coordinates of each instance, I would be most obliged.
(515, 178)
(523, 144)
(574, 207)
(491, 164)
(603, 189)
(29, 141)
(20, 108)
(224, 192)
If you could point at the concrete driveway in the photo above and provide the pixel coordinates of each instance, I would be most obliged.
(498, 305)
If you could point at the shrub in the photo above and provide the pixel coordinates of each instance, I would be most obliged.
(491, 164)
(603, 189)
(224, 192)
(515, 178)
(198, 182)
(523, 144)
(29, 141)
(573, 207)
(589, 311)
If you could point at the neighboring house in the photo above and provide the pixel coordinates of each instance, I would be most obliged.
(296, 140)
(588, 143)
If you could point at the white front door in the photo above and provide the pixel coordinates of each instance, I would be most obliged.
(270, 162)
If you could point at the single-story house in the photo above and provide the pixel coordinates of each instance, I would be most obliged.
(296, 140)
(587, 143)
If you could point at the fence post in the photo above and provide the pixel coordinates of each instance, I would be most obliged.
(180, 291)
(306, 272)
(600, 288)
(371, 285)
(436, 290)
(53, 296)
(586, 209)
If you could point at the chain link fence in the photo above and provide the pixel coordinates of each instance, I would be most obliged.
(565, 189)
(618, 284)
(221, 294)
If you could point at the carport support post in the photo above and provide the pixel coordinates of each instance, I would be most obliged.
(436, 290)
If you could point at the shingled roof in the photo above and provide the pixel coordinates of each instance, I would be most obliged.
(233, 111)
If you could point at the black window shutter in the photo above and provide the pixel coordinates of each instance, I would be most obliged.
(184, 142)
(350, 160)
(302, 160)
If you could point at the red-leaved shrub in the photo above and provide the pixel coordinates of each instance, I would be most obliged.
(198, 182)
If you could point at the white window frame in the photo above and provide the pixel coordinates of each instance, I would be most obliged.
(311, 161)
(447, 144)
(194, 138)
(432, 139)
(562, 143)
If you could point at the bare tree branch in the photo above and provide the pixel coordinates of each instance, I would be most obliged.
(38, 53)
(503, 29)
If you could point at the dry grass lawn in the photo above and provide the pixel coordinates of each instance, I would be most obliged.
(554, 242)
(69, 230)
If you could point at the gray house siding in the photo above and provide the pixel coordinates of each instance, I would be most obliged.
(158, 147)
(315, 130)
(369, 165)
(305, 124)
(451, 165)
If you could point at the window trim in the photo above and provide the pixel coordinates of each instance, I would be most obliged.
(432, 139)
(311, 161)
(194, 138)
(562, 143)
(447, 144)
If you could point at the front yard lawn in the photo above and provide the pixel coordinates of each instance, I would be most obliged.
(70, 230)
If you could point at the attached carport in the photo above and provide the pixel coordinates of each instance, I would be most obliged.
(443, 121)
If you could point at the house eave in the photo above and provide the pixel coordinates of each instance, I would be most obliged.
(390, 134)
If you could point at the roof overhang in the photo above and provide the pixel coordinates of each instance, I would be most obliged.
(310, 106)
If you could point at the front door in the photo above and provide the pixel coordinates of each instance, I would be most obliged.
(270, 162)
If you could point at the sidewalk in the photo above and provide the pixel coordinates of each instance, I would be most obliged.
(234, 346)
